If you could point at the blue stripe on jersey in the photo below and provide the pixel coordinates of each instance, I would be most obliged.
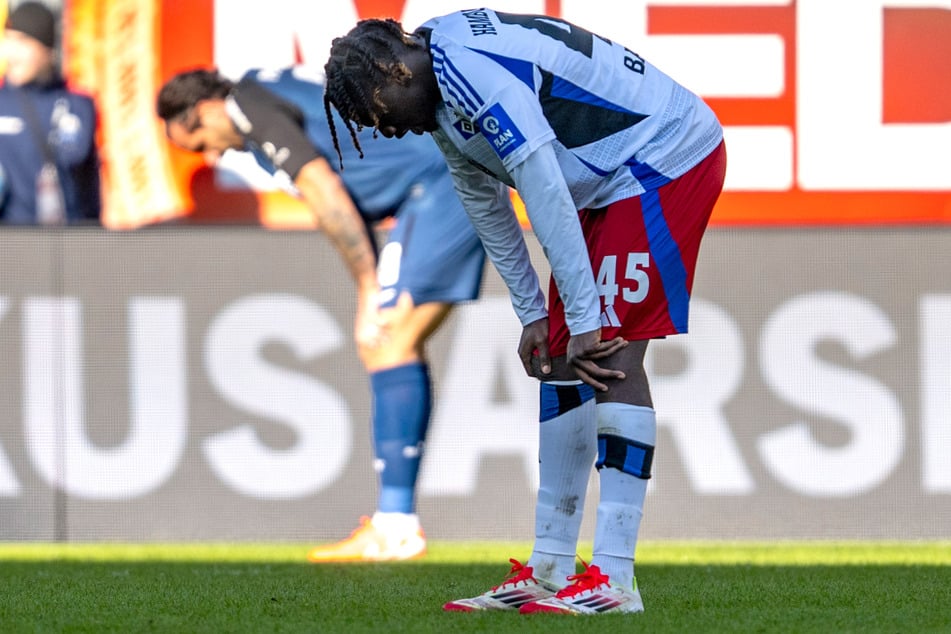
(578, 117)
(457, 98)
(452, 78)
(646, 175)
(666, 254)
(523, 70)
(564, 89)
(594, 168)
(454, 99)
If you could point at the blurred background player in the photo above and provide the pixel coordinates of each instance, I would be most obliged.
(619, 167)
(49, 163)
(432, 258)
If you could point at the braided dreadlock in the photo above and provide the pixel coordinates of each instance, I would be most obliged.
(361, 63)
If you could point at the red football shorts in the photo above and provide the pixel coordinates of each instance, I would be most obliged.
(643, 254)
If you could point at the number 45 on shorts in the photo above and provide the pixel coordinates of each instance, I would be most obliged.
(636, 283)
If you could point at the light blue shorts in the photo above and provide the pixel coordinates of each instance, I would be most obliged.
(432, 251)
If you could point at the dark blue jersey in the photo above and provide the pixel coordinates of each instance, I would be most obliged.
(67, 122)
(285, 124)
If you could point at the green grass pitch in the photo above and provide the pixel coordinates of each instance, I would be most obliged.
(687, 587)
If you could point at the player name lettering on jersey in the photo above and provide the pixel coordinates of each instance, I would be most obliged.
(479, 22)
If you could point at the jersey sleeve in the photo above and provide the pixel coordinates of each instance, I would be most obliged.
(555, 222)
(496, 94)
(489, 208)
(513, 124)
(274, 126)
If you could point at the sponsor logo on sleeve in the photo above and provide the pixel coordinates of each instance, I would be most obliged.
(500, 131)
(465, 128)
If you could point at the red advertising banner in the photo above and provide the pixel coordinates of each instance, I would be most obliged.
(834, 113)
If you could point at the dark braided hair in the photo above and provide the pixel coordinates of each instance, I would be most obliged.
(361, 63)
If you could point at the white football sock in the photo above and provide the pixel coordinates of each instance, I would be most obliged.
(396, 524)
(566, 451)
(622, 494)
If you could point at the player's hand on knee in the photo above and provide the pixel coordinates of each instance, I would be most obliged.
(369, 327)
(584, 348)
(535, 338)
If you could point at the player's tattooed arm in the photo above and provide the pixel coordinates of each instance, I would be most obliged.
(325, 194)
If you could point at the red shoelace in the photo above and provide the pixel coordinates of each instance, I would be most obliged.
(517, 574)
(591, 578)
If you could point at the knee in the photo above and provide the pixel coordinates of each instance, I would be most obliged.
(397, 348)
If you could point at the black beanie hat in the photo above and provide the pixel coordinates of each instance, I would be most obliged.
(36, 20)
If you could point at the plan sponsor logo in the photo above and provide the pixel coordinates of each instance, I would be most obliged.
(500, 131)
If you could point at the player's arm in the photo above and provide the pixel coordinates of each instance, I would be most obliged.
(278, 125)
(325, 195)
(489, 207)
(554, 219)
(323, 191)
(487, 203)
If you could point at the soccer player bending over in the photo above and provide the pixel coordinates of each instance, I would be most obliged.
(619, 167)
(431, 261)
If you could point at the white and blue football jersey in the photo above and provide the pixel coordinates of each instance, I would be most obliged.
(526, 97)
(514, 82)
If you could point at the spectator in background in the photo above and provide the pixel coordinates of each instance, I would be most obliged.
(431, 261)
(49, 164)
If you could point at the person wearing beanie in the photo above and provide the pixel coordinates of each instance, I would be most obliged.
(49, 163)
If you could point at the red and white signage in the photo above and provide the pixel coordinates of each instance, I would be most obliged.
(835, 112)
